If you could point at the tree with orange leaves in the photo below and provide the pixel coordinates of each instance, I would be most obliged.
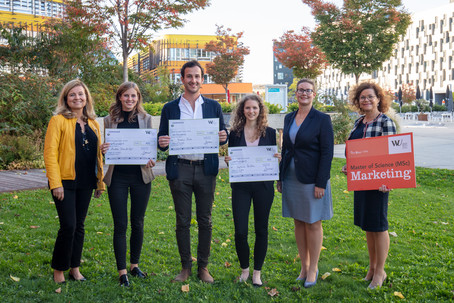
(361, 35)
(296, 51)
(229, 57)
(133, 21)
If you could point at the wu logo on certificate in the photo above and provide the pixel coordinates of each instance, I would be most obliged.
(399, 144)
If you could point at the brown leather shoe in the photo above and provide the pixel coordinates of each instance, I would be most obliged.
(204, 275)
(183, 275)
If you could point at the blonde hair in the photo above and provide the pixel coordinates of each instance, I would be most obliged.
(62, 106)
(115, 109)
(239, 119)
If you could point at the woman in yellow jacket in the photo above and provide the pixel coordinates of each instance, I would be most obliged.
(74, 168)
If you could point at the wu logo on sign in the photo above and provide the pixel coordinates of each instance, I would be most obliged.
(210, 121)
(399, 144)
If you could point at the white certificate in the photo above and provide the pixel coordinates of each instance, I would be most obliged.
(194, 136)
(255, 163)
(131, 145)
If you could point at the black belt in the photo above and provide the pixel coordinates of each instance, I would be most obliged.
(190, 162)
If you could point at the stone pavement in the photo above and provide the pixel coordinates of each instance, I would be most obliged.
(433, 144)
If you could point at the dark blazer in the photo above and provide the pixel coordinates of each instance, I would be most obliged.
(171, 111)
(269, 139)
(313, 149)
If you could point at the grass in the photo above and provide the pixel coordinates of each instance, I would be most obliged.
(420, 264)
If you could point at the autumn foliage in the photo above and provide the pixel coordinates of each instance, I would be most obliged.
(229, 58)
(297, 51)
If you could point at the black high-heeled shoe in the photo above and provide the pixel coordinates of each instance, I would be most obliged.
(124, 281)
(136, 272)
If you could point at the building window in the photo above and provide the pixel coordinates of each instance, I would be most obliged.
(280, 76)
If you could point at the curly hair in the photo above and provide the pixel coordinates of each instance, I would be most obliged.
(62, 106)
(115, 109)
(239, 119)
(384, 99)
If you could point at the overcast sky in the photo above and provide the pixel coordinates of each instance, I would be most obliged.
(262, 21)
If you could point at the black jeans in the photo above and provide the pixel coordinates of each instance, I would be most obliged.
(120, 187)
(262, 195)
(192, 179)
(70, 239)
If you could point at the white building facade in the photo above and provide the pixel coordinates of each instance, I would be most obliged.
(423, 58)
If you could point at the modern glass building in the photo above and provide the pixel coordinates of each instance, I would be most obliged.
(30, 11)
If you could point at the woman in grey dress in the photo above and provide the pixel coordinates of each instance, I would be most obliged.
(307, 152)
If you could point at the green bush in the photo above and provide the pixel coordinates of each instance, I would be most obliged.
(227, 107)
(342, 121)
(153, 109)
(292, 107)
(439, 108)
(21, 152)
(273, 108)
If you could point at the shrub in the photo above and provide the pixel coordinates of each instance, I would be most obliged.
(153, 109)
(21, 152)
(342, 121)
(292, 107)
(227, 107)
(273, 108)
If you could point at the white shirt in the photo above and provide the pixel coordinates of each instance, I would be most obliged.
(186, 112)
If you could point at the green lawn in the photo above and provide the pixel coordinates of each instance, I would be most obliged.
(420, 264)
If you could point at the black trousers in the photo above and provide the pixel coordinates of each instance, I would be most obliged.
(121, 186)
(70, 239)
(262, 195)
(192, 179)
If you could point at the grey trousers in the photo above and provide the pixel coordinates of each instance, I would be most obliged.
(192, 179)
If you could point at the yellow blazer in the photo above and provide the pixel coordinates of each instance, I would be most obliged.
(60, 151)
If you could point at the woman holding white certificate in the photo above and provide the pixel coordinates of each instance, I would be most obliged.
(121, 180)
(249, 128)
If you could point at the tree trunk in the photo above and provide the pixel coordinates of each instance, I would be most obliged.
(226, 87)
(125, 67)
(357, 78)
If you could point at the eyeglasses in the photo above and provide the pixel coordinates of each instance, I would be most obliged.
(370, 98)
(302, 91)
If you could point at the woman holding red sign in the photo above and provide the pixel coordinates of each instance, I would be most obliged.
(371, 206)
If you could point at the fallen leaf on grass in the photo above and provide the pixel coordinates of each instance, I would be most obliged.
(216, 241)
(227, 264)
(15, 279)
(34, 226)
(170, 207)
(185, 288)
(392, 233)
(99, 232)
(345, 191)
(15, 197)
(1, 223)
(160, 233)
(399, 294)
(336, 269)
(224, 244)
(295, 288)
(444, 223)
(194, 259)
(98, 205)
(273, 292)
(323, 248)
(228, 240)
(217, 193)
(274, 228)
(58, 290)
(326, 275)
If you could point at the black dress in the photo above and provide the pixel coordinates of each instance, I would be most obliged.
(370, 206)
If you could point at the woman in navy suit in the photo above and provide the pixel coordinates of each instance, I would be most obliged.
(249, 128)
(307, 152)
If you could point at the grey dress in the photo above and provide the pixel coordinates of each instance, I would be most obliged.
(298, 199)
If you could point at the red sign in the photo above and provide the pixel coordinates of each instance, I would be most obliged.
(377, 161)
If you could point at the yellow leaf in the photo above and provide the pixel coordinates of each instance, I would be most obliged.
(323, 248)
(325, 275)
(185, 288)
(15, 279)
(99, 232)
(345, 191)
(170, 207)
(51, 202)
(1, 223)
(194, 259)
(336, 269)
(399, 294)
(161, 233)
(224, 244)
(273, 292)
(274, 228)
(58, 290)
(217, 193)
(15, 197)
(44, 171)
(228, 240)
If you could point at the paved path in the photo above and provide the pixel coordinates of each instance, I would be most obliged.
(433, 143)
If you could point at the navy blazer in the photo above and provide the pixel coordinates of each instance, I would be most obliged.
(313, 149)
(268, 139)
(171, 111)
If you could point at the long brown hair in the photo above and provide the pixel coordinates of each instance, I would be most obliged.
(115, 109)
(355, 92)
(62, 106)
(239, 119)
